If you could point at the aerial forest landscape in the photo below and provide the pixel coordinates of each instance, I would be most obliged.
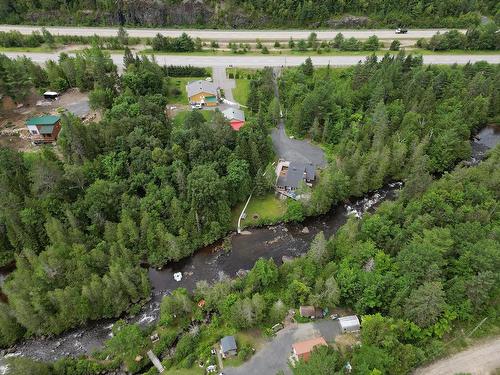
(249, 187)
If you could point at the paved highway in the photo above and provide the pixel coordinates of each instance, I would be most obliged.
(230, 35)
(261, 61)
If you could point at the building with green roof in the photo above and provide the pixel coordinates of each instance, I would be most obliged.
(44, 129)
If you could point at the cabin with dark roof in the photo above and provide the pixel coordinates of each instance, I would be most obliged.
(290, 174)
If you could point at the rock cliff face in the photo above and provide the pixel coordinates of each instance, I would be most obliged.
(156, 13)
(195, 13)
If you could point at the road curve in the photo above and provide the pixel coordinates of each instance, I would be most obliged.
(261, 61)
(230, 35)
(483, 359)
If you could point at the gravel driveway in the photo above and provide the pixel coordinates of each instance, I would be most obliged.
(482, 359)
(273, 356)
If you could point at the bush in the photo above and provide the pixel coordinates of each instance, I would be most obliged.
(395, 45)
(245, 353)
(185, 71)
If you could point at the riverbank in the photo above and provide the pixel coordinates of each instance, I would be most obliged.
(211, 263)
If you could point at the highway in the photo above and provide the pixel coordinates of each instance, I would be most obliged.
(230, 35)
(262, 61)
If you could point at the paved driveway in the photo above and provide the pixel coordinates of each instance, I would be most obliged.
(221, 80)
(296, 150)
(273, 356)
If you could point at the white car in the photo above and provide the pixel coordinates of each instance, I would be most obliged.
(196, 106)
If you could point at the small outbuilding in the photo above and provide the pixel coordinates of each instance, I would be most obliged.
(310, 312)
(302, 350)
(228, 346)
(349, 324)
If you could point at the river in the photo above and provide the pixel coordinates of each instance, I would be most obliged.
(211, 263)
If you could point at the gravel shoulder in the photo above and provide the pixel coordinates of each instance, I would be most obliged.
(481, 359)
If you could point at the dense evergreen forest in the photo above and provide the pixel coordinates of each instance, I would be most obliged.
(394, 119)
(135, 188)
(249, 13)
(132, 188)
(419, 270)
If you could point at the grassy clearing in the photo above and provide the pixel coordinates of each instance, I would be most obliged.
(260, 211)
(287, 52)
(42, 48)
(241, 91)
(181, 116)
(179, 83)
(186, 371)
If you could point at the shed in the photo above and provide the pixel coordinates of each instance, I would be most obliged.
(302, 350)
(349, 324)
(310, 312)
(228, 346)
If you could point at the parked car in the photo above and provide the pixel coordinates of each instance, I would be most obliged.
(401, 30)
(196, 106)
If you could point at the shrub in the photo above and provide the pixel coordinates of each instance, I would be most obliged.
(395, 45)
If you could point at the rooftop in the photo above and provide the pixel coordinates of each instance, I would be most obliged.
(46, 120)
(349, 321)
(228, 343)
(234, 114)
(196, 87)
(297, 172)
(308, 345)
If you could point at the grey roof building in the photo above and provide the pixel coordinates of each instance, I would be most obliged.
(201, 87)
(295, 173)
(228, 346)
(234, 114)
(349, 323)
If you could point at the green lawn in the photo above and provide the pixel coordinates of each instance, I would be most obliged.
(195, 370)
(261, 210)
(181, 116)
(180, 83)
(241, 91)
(333, 52)
(42, 48)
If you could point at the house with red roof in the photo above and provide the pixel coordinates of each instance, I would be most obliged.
(235, 116)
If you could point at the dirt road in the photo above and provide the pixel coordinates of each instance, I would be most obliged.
(482, 359)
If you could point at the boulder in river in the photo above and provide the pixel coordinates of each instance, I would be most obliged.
(241, 272)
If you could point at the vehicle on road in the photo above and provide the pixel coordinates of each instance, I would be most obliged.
(401, 30)
(196, 106)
